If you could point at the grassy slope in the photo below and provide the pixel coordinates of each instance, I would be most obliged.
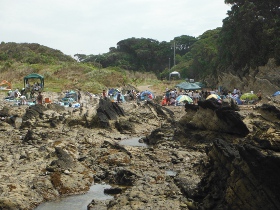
(61, 72)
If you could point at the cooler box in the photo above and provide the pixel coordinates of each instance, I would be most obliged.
(47, 100)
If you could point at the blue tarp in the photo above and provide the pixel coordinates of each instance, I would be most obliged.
(116, 96)
(276, 93)
(239, 102)
(188, 86)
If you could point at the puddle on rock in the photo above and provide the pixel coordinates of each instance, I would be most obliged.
(77, 202)
(170, 173)
(134, 142)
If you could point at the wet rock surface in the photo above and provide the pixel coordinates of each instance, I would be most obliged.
(208, 156)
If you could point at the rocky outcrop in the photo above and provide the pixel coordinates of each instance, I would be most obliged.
(265, 78)
(212, 115)
(240, 177)
(107, 111)
(244, 173)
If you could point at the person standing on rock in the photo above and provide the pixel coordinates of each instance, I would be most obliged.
(259, 94)
(40, 98)
(104, 94)
(167, 96)
(119, 97)
(79, 96)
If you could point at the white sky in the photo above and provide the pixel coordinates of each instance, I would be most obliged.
(93, 26)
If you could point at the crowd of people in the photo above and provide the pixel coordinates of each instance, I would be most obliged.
(170, 95)
(23, 97)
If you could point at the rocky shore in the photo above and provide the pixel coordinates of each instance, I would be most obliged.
(198, 157)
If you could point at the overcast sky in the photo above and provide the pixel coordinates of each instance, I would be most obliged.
(93, 26)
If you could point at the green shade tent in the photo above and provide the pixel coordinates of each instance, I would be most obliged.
(249, 96)
(188, 86)
(200, 84)
(34, 76)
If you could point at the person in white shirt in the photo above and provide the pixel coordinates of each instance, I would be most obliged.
(234, 91)
(172, 94)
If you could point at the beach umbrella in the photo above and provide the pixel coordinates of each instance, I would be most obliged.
(276, 93)
(184, 98)
(248, 96)
(213, 96)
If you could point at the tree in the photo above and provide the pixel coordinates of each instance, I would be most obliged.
(250, 33)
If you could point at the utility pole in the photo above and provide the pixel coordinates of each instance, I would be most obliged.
(169, 69)
(174, 54)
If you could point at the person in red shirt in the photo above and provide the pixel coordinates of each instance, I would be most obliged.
(40, 98)
(104, 94)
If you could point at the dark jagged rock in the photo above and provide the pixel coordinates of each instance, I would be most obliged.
(232, 120)
(240, 177)
(5, 112)
(64, 161)
(270, 110)
(108, 110)
(29, 136)
(161, 110)
(212, 115)
(211, 103)
(191, 107)
(34, 112)
(113, 190)
(124, 126)
(113, 145)
(124, 177)
(56, 107)
(155, 136)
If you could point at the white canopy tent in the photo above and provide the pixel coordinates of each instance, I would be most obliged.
(174, 73)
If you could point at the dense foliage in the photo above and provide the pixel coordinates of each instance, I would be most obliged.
(251, 33)
(141, 54)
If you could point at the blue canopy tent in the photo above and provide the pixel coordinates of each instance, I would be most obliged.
(113, 91)
(144, 95)
(115, 97)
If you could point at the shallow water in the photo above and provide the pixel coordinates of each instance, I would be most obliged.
(170, 173)
(133, 142)
(77, 202)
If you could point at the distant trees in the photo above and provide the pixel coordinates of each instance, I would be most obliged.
(31, 53)
(141, 54)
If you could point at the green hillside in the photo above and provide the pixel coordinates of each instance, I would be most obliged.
(62, 72)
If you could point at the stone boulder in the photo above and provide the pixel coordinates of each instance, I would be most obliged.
(123, 176)
(240, 177)
(107, 111)
(125, 126)
(265, 126)
(212, 115)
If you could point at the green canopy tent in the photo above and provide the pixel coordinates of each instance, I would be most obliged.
(188, 86)
(34, 76)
